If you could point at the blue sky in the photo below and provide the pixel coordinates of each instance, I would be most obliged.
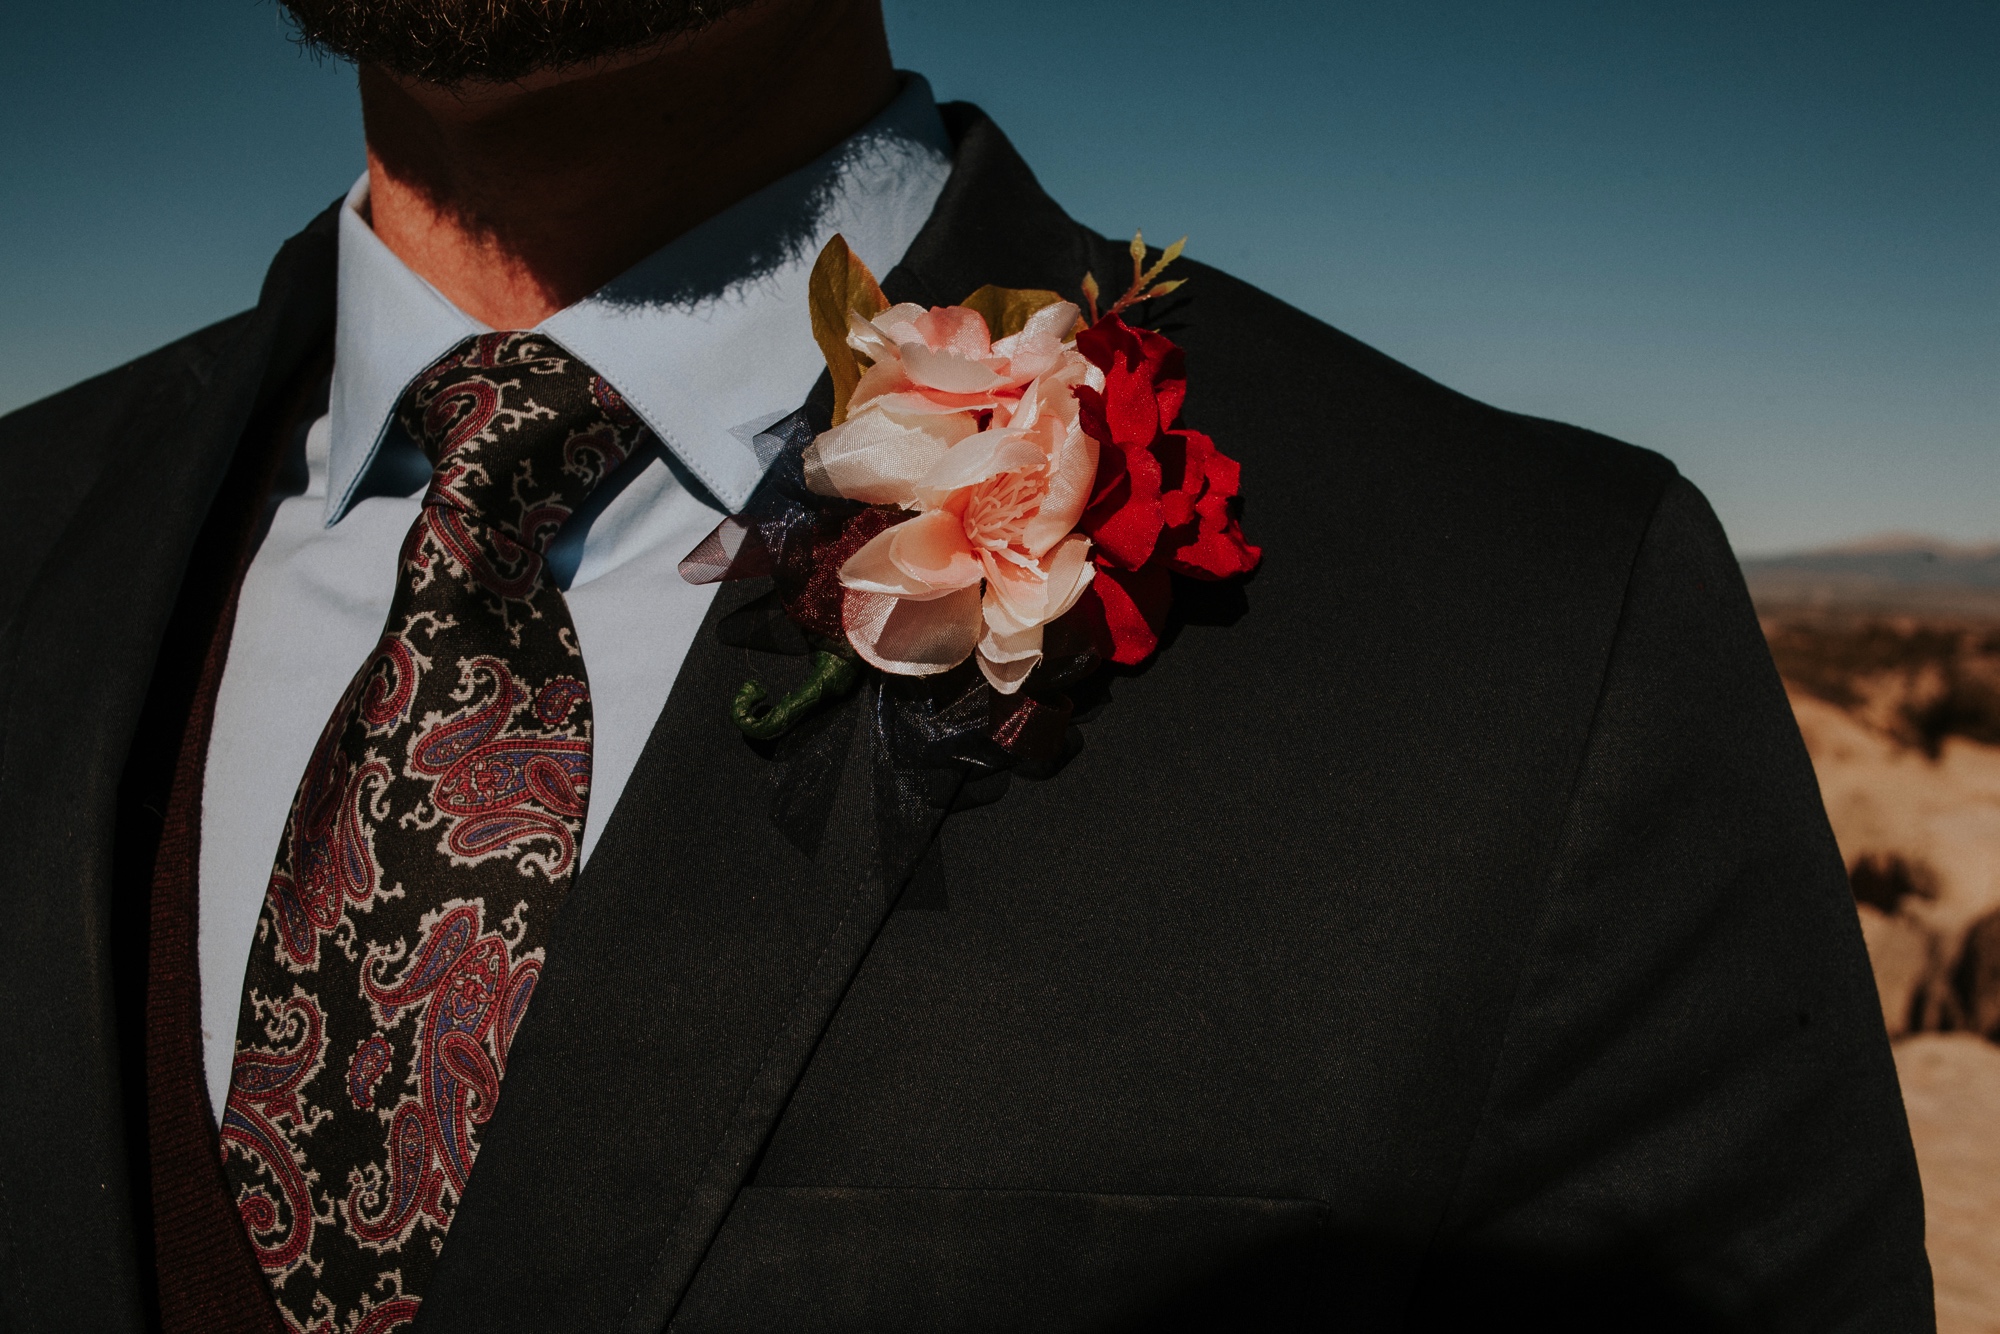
(1761, 238)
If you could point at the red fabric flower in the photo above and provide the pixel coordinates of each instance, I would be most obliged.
(1161, 500)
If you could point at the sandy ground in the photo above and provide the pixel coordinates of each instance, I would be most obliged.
(1951, 1089)
(1940, 818)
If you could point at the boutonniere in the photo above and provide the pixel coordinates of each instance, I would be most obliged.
(995, 509)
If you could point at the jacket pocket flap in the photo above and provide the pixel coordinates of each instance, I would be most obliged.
(805, 1259)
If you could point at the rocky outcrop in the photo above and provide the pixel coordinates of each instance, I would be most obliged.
(1975, 982)
(1917, 682)
(1921, 838)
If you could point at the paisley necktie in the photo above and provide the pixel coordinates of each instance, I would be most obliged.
(428, 847)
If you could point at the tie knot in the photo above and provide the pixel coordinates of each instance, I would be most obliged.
(518, 432)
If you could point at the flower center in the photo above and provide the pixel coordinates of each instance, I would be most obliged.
(998, 511)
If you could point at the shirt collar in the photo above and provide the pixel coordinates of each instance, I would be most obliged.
(708, 338)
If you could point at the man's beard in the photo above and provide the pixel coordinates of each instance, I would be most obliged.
(455, 41)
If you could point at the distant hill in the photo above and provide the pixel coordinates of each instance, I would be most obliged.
(1887, 575)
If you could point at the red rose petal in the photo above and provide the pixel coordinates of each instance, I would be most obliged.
(1216, 550)
(1135, 605)
(1130, 407)
(1090, 413)
(1123, 518)
(1225, 475)
(1161, 499)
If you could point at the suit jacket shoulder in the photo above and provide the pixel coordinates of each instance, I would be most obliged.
(53, 451)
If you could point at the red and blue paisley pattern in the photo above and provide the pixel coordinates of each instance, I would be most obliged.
(261, 1123)
(461, 982)
(431, 840)
(498, 787)
(365, 1069)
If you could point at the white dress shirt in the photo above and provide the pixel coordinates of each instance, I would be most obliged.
(709, 340)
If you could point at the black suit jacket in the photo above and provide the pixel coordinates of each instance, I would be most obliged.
(1444, 924)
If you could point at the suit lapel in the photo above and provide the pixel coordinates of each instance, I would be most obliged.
(78, 659)
(700, 956)
(686, 980)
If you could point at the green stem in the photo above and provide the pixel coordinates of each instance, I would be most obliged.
(829, 677)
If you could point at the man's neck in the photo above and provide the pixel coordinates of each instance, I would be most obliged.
(517, 200)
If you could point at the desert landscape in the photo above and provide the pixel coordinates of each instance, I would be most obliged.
(1890, 652)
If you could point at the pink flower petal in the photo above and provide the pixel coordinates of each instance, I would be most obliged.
(1042, 335)
(868, 339)
(1038, 348)
(1070, 571)
(948, 371)
(878, 456)
(973, 460)
(1072, 472)
(954, 329)
(898, 323)
(912, 638)
(932, 550)
(873, 569)
(886, 379)
(1015, 594)
(909, 400)
(1006, 660)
